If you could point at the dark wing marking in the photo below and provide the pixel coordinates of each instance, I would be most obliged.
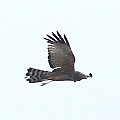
(61, 39)
(51, 38)
(55, 36)
(66, 40)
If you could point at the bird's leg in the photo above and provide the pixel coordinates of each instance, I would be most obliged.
(45, 83)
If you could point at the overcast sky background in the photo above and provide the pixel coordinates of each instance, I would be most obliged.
(93, 30)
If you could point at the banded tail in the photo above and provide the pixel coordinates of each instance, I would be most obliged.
(35, 75)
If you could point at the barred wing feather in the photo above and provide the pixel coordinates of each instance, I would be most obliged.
(60, 53)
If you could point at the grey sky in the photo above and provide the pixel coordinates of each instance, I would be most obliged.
(93, 30)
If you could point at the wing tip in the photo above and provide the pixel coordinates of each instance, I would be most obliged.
(57, 38)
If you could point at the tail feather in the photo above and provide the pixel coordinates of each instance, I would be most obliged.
(35, 75)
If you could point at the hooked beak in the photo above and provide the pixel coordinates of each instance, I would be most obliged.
(90, 75)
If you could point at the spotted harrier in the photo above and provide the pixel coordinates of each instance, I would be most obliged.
(61, 59)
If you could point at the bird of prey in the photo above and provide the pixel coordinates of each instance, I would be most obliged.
(61, 59)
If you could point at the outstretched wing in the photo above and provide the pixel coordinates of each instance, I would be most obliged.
(60, 53)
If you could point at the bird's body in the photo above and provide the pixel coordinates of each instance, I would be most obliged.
(61, 60)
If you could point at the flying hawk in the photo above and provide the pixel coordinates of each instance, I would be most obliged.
(61, 59)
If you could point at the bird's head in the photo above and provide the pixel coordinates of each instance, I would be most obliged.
(84, 76)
